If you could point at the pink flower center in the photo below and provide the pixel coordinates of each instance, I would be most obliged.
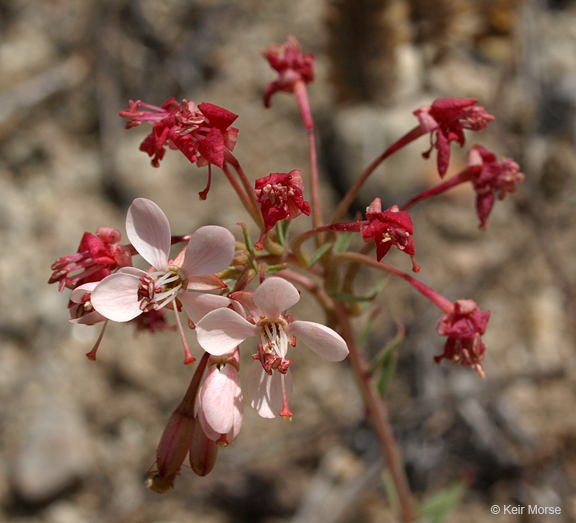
(276, 193)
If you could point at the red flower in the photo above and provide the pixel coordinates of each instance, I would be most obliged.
(280, 197)
(202, 134)
(491, 178)
(96, 258)
(448, 117)
(464, 327)
(387, 228)
(292, 66)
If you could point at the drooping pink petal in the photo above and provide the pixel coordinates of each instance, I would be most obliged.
(218, 396)
(210, 250)
(222, 330)
(148, 230)
(116, 297)
(208, 282)
(80, 313)
(321, 339)
(246, 299)
(274, 296)
(238, 416)
(265, 391)
(197, 305)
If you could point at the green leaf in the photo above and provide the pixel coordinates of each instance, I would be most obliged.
(375, 289)
(390, 489)
(247, 240)
(387, 371)
(437, 507)
(343, 241)
(367, 327)
(282, 231)
(271, 269)
(320, 252)
(350, 298)
(392, 345)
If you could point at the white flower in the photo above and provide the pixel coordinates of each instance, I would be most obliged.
(223, 329)
(124, 295)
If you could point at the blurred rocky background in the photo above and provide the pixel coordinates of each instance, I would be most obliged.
(77, 437)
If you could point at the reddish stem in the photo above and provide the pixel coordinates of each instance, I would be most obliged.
(436, 298)
(378, 414)
(350, 196)
(248, 204)
(306, 113)
(457, 179)
(248, 188)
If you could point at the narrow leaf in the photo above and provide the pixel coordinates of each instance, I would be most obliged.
(343, 241)
(436, 508)
(320, 252)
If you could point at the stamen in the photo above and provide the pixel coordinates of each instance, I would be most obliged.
(92, 354)
(188, 358)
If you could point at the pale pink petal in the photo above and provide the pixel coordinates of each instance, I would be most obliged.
(218, 397)
(207, 430)
(222, 330)
(131, 270)
(265, 391)
(148, 230)
(238, 415)
(210, 250)
(116, 297)
(86, 319)
(246, 299)
(76, 296)
(197, 305)
(78, 293)
(321, 339)
(274, 296)
(208, 282)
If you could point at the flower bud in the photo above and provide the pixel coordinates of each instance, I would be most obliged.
(203, 451)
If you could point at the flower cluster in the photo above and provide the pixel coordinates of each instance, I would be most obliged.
(203, 134)
(292, 67)
(464, 327)
(446, 120)
(491, 179)
(280, 197)
(207, 280)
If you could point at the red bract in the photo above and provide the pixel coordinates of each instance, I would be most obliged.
(491, 178)
(280, 197)
(96, 258)
(203, 134)
(387, 228)
(448, 117)
(292, 66)
(464, 327)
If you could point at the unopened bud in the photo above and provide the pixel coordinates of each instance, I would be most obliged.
(203, 451)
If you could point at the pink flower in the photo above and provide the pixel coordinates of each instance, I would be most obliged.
(221, 402)
(292, 67)
(447, 118)
(491, 179)
(96, 258)
(269, 380)
(388, 228)
(82, 310)
(129, 292)
(464, 327)
(203, 134)
(280, 197)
